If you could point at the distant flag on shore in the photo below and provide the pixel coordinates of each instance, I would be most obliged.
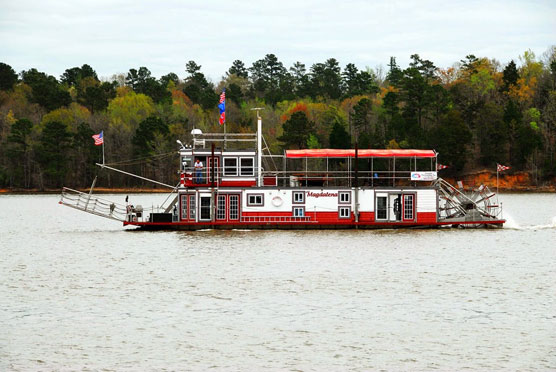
(99, 138)
(500, 167)
(222, 107)
(440, 167)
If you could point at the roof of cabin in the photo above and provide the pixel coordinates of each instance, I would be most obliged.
(361, 153)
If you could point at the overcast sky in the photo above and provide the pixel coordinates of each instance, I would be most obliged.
(115, 35)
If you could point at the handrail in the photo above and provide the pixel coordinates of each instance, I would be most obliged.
(276, 219)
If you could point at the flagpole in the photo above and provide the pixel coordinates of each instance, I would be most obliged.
(497, 179)
(103, 149)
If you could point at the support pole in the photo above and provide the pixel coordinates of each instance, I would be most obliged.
(259, 151)
(259, 146)
(356, 184)
(91, 190)
(285, 170)
(212, 201)
(497, 179)
(394, 172)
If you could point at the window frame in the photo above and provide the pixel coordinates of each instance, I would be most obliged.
(221, 209)
(340, 209)
(237, 207)
(184, 207)
(413, 207)
(192, 201)
(385, 209)
(225, 168)
(298, 208)
(302, 197)
(250, 204)
(203, 209)
(240, 166)
(340, 193)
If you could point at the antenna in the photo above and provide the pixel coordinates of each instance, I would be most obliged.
(181, 144)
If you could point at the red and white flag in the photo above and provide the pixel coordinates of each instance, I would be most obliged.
(440, 167)
(500, 167)
(99, 138)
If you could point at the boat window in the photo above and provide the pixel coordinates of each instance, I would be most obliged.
(345, 197)
(344, 212)
(408, 207)
(221, 207)
(205, 208)
(255, 199)
(184, 207)
(246, 166)
(234, 207)
(299, 197)
(298, 211)
(230, 166)
(381, 207)
(185, 163)
(192, 207)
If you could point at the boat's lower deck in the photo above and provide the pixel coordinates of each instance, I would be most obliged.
(308, 226)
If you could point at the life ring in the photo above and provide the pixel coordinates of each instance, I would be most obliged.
(277, 201)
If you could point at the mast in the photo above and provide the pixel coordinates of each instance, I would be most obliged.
(259, 145)
(356, 184)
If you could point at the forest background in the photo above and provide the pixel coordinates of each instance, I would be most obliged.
(476, 114)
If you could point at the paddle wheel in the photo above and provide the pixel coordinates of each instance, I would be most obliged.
(457, 205)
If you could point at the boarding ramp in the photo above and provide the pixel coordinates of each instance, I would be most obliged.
(89, 203)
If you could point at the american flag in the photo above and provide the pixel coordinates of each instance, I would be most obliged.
(500, 167)
(222, 107)
(440, 167)
(99, 138)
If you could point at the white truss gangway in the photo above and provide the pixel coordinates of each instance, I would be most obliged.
(89, 203)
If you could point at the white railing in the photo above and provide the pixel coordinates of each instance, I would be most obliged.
(92, 204)
(276, 219)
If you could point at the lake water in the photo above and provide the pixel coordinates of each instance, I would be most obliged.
(79, 292)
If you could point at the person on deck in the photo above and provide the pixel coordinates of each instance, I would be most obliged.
(198, 171)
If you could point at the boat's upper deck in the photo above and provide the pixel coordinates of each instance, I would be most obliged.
(210, 162)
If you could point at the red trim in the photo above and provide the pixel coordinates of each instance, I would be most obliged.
(366, 216)
(426, 217)
(363, 153)
(309, 224)
(270, 181)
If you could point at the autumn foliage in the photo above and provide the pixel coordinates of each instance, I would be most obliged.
(476, 113)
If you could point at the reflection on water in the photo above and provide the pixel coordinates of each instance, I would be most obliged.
(81, 292)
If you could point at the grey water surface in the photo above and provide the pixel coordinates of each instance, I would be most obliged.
(79, 292)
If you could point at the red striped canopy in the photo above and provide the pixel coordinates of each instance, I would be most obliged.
(362, 153)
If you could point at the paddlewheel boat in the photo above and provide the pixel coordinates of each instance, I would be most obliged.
(300, 189)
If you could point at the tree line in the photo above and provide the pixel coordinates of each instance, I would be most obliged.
(475, 114)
